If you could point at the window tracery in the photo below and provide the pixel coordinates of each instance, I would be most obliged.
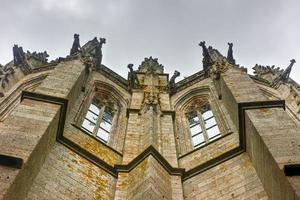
(99, 119)
(203, 126)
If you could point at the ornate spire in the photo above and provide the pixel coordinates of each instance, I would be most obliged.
(286, 73)
(207, 61)
(284, 76)
(19, 55)
(230, 54)
(76, 45)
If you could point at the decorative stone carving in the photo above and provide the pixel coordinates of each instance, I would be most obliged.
(76, 45)
(260, 70)
(217, 69)
(41, 56)
(207, 61)
(286, 73)
(283, 76)
(230, 54)
(19, 55)
(215, 73)
(171, 85)
(151, 99)
(151, 65)
(98, 52)
(4, 74)
(132, 77)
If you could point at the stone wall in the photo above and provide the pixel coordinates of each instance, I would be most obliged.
(66, 175)
(233, 179)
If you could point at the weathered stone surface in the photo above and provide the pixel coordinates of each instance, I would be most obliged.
(147, 115)
(66, 175)
(233, 179)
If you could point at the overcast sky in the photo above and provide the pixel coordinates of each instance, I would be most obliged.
(263, 31)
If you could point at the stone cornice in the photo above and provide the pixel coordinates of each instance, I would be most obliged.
(142, 156)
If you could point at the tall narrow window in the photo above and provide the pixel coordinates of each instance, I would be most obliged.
(98, 120)
(203, 126)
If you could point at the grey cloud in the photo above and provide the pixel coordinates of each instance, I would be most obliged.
(264, 32)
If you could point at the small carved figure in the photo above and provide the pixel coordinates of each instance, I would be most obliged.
(4, 76)
(230, 54)
(132, 77)
(76, 45)
(207, 61)
(171, 84)
(98, 53)
(18, 54)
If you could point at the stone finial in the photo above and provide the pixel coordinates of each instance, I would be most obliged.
(98, 52)
(151, 65)
(76, 45)
(132, 77)
(230, 54)
(207, 61)
(283, 76)
(171, 84)
(18, 54)
(286, 73)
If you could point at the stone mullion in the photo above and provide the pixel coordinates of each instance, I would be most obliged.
(188, 136)
(202, 125)
(97, 126)
(112, 140)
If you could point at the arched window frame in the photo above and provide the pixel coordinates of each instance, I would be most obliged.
(98, 116)
(198, 120)
(111, 97)
(182, 105)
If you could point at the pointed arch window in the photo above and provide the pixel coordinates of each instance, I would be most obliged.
(99, 119)
(203, 126)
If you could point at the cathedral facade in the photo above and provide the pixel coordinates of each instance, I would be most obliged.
(74, 129)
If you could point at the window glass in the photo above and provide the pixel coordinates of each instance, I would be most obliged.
(195, 129)
(99, 114)
(88, 125)
(105, 125)
(193, 119)
(198, 140)
(91, 117)
(93, 108)
(213, 132)
(102, 134)
(207, 114)
(107, 117)
(203, 126)
(210, 122)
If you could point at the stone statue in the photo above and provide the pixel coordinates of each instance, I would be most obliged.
(98, 53)
(76, 45)
(18, 54)
(171, 84)
(230, 54)
(132, 77)
(207, 61)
